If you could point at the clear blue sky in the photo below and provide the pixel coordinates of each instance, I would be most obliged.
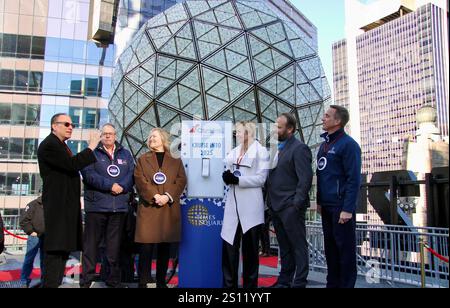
(328, 17)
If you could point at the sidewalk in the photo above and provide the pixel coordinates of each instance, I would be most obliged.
(10, 266)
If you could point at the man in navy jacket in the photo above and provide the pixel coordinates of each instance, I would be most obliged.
(338, 184)
(107, 187)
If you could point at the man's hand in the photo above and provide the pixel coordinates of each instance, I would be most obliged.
(33, 234)
(345, 217)
(116, 189)
(94, 139)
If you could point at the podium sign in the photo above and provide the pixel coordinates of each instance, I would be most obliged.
(204, 146)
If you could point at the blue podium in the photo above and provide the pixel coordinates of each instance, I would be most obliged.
(200, 250)
(204, 145)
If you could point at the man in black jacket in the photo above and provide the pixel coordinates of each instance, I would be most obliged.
(32, 223)
(59, 170)
(288, 187)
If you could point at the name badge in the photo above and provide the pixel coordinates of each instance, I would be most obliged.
(322, 163)
(113, 171)
(237, 173)
(159, 178)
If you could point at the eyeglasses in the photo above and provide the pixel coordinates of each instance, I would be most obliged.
(67, 124)
(108, 134)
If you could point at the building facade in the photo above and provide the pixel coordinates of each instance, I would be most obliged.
(393, 61)
(47, 65)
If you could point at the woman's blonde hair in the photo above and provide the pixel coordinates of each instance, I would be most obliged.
(165, 138)
(249, 127)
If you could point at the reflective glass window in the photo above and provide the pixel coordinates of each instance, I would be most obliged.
(75, 114)
(4, 149)
(33, 114)
(103, 117)
(79, 52)
(15, 148)
(51, 49)
(91, 86)
(49, 82)
(63, 83)
(21, 80)
(18, 114)
(76, 84)
(35, 81)
(6, 79)
(23, 46)
(93, 53)
(5, 113)
(90, 118)
(38, 47)
(30, 148)
(109, 58)
(65, 50)
(105, 87)
(9, 45)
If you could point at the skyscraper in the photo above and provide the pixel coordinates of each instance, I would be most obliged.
(393, 61)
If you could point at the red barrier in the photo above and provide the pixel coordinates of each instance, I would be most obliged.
(13, 235)
(433, 252)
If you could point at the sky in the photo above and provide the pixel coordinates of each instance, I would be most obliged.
(328, 17)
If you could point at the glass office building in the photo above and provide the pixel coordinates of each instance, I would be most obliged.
(47, 65)
(217, 60)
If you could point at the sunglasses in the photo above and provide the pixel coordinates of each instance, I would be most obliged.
(67, 124)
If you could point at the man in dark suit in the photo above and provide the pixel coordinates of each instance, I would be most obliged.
(59, 170)
(288, 188)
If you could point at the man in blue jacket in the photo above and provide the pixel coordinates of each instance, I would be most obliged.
(107, 186)
(338, 184)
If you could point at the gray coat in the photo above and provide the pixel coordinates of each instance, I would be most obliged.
(289, 183)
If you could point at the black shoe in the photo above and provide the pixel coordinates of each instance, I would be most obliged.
(161, 286)
(279, 286)
(85, 285)
(116, 285)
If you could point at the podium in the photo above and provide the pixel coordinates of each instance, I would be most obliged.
(203, 150)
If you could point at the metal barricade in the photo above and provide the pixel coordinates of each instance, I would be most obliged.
(12, 243)
(391, 253)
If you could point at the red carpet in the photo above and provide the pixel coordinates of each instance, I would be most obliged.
(263, 281)
(269, 261)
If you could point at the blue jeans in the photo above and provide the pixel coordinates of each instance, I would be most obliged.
(34, 245)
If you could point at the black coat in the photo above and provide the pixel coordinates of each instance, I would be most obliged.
(32, 219)
(61, 193)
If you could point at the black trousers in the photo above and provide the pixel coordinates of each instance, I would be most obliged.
(250, 259)
(98, 227)
(54, 268)
(290, 228)
(265, 237)
(145, 263)
(340, 249)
